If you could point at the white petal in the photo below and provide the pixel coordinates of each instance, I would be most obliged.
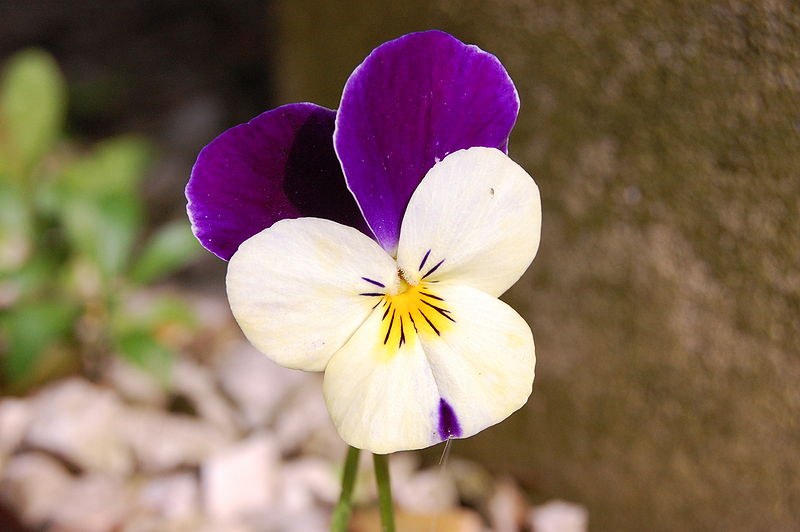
(382, 398)
(294, 288)
(458, 362)
(477, 211)
(484, 363)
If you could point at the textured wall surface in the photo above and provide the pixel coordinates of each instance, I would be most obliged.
(665, 300)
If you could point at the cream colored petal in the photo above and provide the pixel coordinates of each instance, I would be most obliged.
(475, 218)
(295, 287)
(484, 364)
(433, 362)
(382, 397)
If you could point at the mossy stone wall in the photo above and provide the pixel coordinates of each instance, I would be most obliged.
(665, 300)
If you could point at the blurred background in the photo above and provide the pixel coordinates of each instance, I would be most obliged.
(665, 299)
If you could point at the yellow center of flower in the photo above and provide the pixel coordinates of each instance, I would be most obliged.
(415, 310)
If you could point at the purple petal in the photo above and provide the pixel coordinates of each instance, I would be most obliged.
(279, 165)
(448, 422)
(409, 104)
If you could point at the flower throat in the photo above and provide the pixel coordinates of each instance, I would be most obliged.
(413, 310)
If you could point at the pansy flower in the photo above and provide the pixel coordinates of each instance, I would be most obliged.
(372, 242)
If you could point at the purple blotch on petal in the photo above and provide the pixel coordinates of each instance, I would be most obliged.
(279, 165)
(413, 101)
(448, 422)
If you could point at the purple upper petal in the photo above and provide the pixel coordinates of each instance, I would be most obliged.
(279, 165)
(411, 102)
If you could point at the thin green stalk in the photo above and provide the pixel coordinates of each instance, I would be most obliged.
(341, 514)
(384, 492)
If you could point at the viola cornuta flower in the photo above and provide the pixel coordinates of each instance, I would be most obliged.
(372, 242)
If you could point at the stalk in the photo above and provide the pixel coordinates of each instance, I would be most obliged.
(384, 492)
(341, 513)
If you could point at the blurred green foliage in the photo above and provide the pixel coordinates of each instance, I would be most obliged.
(72, 253)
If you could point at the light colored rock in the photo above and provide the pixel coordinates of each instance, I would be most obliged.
(507, 507)
(92, 503)
(174, 496)
(453, 520)
(241, 478)
(213, 313)
(144, 522)
(150, 523)
(226, 526)
(313, 519)
(15, 415)
(197, 383)
(473, 482)
(303, 422)
(134, 384)
(162, 442)
(306, 481)
(430, 491)
(559, 516)
(320, 476)
(80, 422)
(33, 484)
(258, 385)
(147, 523)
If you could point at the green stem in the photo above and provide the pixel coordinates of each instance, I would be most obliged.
(384, 492)
(341, 514)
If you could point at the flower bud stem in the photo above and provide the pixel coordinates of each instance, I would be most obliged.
(341, 513)
(384, 492)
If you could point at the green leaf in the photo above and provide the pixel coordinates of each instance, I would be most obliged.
(171, 248)
(34, 280)
(167, 319)
(103, 229)
(169, 309)
(99, 202)
(162, 310)
(32, 107)
(115, 166)
(15, 229)
(140, 348)
(29, 330)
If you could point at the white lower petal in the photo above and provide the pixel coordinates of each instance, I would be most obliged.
(410, 383)
(295, 287)
(382, 398)
(475, 219)
(484, 364)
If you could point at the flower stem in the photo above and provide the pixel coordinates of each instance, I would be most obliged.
(341, 514)
(384, 492)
